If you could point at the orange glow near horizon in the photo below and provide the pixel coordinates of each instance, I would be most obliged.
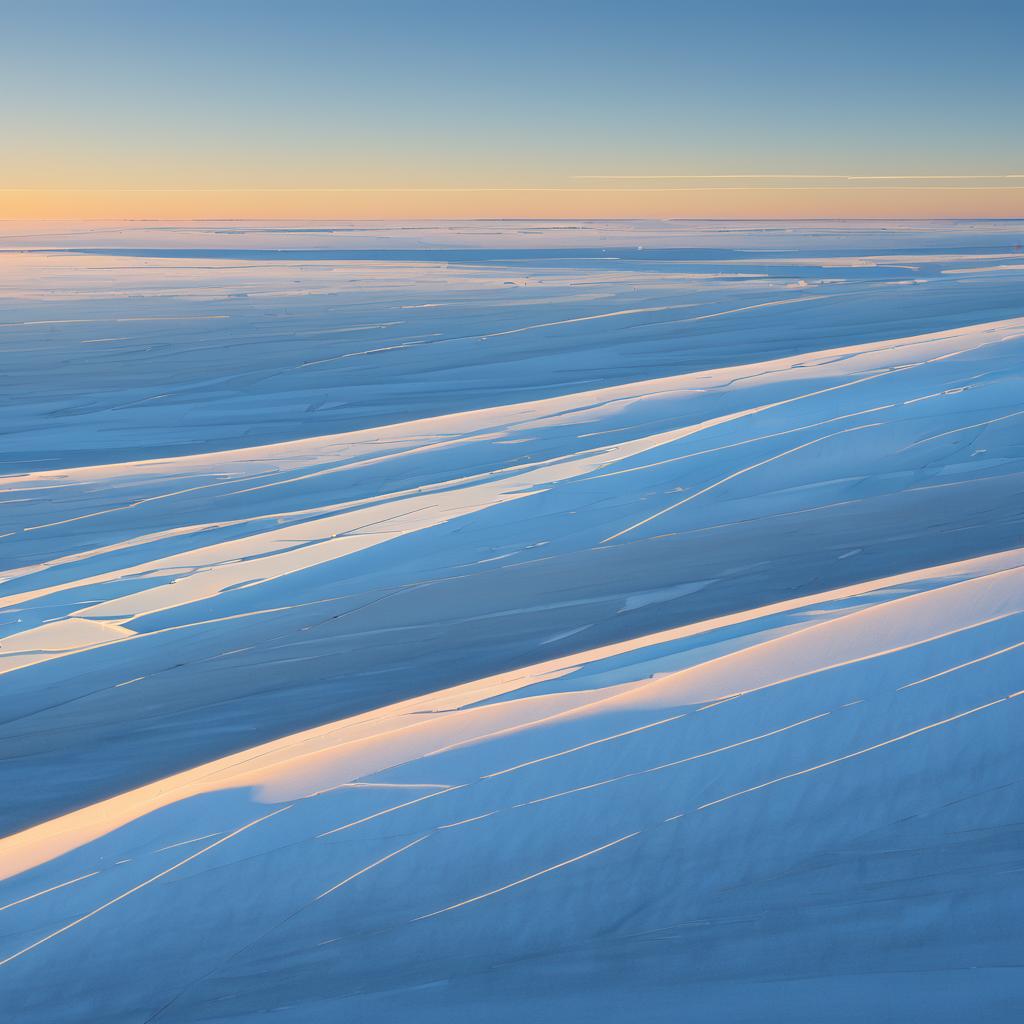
(687, 201)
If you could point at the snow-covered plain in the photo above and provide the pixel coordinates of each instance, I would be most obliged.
(459, 622)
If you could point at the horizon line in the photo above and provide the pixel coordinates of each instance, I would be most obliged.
(530, 188)
(494, 220)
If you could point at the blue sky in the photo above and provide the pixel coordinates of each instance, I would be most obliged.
(452, 95)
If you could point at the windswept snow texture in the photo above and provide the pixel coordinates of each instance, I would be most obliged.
(512, 622)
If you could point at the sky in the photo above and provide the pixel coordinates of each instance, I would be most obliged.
(446, 108)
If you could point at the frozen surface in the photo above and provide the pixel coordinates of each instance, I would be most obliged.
(512, 622)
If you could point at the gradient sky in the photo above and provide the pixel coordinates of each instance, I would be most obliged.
(452, 108)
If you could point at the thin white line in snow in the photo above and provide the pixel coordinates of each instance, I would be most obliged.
(53, 888)
(745, 441)
(186, 842)
(963, 664)
(393, 785)
(583, 319)
(863, 750)
(527, 878)
(136, 888)
(387, 810)
(466, 821)
(871, 655)
(787, 401)
(583, 746)
(732, 476)
(370, 867)
(960, 430)
(682, 760)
